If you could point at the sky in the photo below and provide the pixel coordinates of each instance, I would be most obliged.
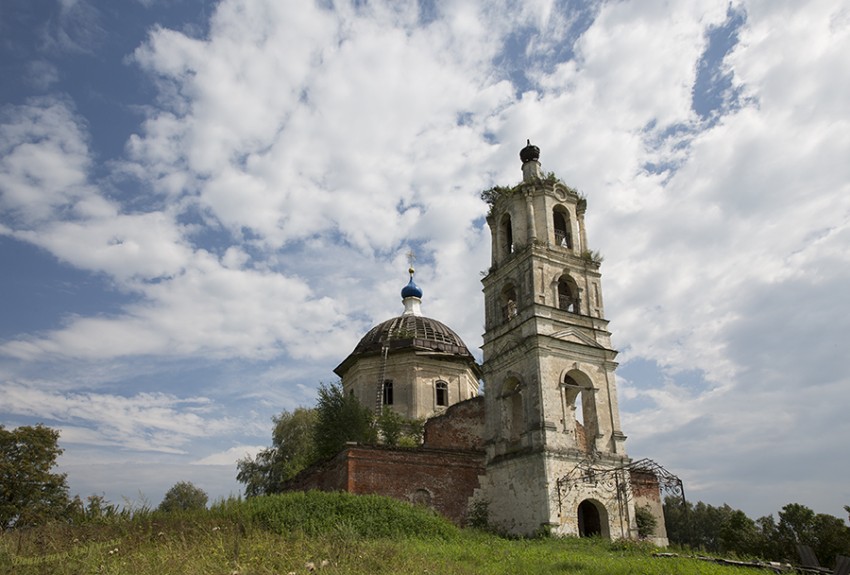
(204, 205)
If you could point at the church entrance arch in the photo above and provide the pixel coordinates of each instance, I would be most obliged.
(592, 519)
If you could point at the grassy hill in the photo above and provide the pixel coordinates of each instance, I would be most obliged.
(332, 533)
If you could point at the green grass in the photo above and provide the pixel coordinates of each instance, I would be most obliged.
(282, 534)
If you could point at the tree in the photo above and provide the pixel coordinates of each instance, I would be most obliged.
(827, 535)
(391, 425)
(340, 418)
(29, 493)
(646, 521)
(184, 496)
(293, 449)
(768, 538)
(676, 520)
(796, 525)
(739, 535)
(832, 538)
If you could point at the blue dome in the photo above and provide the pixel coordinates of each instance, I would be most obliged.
(411, 290)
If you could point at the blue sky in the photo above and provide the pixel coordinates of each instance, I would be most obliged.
(204, 205)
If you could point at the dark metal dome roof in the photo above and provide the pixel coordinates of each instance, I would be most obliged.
(412, 331)
(529, 153)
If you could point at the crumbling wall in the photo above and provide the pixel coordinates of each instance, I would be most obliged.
(460, 427)
(646, 492)
(441, 479)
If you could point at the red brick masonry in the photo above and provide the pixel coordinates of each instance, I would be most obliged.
(442, 474)
(441, 479)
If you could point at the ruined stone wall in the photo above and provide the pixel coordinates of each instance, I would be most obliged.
(441, 479)
(647, 493)
(616, 513)
(460, 427)
(515, 494)
(329, 475)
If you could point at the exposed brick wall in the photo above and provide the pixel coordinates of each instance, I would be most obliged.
(645, 485)
(443, 479)
(460, 427)
(646, 492)
(581, 437)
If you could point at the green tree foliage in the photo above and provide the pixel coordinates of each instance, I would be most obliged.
(726, 530)
(293, 449)
(396, 430)
(646, 521)
(97, 509)
(391, 426)
(738, 534)
(827, 535)
(184, 496)
(29, 493)
(340, 418)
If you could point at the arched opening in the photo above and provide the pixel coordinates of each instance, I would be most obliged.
(388, 392)
(592, 519)
(421, 497)
(442, 390)
(509, 302)
(568, 295)
(561, 223)
(580, 417)
(507, 235)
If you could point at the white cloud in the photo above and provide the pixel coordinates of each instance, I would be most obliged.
(154, 422)
(44, 160)
(230, 456)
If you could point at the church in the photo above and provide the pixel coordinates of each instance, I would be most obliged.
(542, 449)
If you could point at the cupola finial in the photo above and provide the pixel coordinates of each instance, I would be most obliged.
(411, 295)
(530, 153)
(530, 156)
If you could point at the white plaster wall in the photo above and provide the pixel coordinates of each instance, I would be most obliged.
(414, 377)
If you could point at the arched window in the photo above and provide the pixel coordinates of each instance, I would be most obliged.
(561, 222)
(568, 298)
(388, 392)
(580, 418)
(509, 302)
(507, 235)
(442, 389)
(421, 497)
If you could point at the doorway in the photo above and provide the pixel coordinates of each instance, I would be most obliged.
(590, 519)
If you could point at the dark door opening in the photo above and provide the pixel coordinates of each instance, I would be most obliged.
(589, 523)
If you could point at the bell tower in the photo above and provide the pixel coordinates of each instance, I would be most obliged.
(550, 391)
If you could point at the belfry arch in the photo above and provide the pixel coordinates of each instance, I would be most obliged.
(568, 298)
(508, 302)
(562, 227)
(507, 235)
(581, 422)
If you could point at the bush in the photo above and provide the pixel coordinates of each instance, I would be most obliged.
(316, 512)
(646, 521)
(183, 496)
